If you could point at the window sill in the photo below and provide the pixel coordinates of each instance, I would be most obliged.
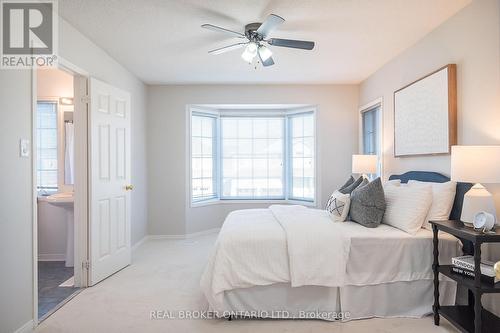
(249, 202)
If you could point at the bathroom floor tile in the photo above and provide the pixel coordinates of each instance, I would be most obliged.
(50, 275)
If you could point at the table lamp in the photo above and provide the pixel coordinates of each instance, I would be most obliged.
(364, 164)
(476, 164)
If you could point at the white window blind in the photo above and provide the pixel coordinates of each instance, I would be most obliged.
(252, 158)
(46, 125)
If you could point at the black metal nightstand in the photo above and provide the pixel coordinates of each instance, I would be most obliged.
(472, 317)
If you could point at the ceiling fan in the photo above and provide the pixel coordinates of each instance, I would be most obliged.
(255, 36)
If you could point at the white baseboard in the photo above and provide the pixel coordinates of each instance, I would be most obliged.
(28, 327)
(186, 236)
(139, 243)
(174, 237)
(51, 257)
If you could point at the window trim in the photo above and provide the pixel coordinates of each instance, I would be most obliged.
(250, 112)
(376, 103)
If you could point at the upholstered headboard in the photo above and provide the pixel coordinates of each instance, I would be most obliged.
(435, 177)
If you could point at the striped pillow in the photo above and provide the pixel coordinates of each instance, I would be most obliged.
(407, 206)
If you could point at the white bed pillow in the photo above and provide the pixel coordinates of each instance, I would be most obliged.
(338, 206)
(443, 196)
(393, 182)
(407, 206)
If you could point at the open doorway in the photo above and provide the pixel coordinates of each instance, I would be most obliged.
(60, 246)
(82, 177)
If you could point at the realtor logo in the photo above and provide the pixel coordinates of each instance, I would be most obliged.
(28, 33)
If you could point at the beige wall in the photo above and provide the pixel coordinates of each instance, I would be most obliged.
(16, 250)
(54, 83)
(169, 211)
(470, 39)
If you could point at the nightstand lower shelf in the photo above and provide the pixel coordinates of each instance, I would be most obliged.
(486, 288)
(462, 317)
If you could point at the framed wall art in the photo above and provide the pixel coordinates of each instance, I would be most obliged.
(425, 114)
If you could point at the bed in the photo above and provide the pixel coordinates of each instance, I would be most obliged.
(260, 267)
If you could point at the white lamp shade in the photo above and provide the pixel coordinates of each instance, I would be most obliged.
(475, 164)
(476, 200)
(364, 164)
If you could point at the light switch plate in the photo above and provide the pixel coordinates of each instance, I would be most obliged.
(24, 148)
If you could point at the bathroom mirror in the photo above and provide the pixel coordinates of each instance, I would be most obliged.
(69, 134)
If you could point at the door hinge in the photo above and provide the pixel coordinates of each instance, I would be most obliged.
(85, 99)
(86, 265)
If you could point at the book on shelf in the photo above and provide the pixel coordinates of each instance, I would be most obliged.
(467, 262)
(471, 274)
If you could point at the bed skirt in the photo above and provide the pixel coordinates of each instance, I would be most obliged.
(411, 299)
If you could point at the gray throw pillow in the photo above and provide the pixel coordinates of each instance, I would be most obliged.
(363, 183)
(368, 204)
(347, 183)
(348, 189)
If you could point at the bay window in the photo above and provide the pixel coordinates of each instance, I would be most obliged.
(252, 156)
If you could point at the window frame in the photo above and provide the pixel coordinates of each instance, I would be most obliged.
(375, 104)
(219, 113)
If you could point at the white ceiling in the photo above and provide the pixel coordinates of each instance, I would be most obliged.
(162, 42)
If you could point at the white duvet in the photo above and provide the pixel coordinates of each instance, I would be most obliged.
(301, 246)
(317, 248)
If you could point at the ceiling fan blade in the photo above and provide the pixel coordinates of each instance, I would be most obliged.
(228, 48)
(296, 44)
(224, 30)
(271, 23)
(268, 62)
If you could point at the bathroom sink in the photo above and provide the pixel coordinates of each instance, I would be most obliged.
(64, 200)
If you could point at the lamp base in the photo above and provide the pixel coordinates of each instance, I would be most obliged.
(467, 224)
(476, 200)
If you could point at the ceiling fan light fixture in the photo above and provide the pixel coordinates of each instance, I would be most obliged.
(250, 52)
(254, 37)
(265, 53)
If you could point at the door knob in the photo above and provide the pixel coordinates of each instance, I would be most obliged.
(129, 187)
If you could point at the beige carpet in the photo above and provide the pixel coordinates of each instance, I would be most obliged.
(165, 276)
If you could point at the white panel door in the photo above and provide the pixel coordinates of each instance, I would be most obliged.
(109, 177)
